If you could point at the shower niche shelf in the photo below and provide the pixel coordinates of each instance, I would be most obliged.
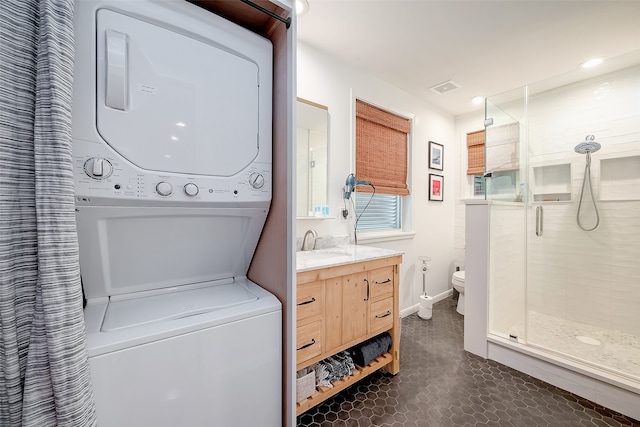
(620, 178)
(552, 183)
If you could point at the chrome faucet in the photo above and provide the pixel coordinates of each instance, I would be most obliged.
(305, 245)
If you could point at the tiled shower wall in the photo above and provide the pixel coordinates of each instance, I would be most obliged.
(506, 269)
(591, 277)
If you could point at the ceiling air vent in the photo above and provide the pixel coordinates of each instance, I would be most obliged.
(445, 87)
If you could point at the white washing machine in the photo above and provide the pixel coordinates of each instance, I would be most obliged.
(172, 166)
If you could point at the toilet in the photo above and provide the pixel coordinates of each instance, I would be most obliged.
(457, 280)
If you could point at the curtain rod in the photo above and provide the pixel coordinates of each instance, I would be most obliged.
(286, 21)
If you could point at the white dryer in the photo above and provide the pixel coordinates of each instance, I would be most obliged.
(172, 166)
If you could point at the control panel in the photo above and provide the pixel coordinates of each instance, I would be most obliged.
(102, 174)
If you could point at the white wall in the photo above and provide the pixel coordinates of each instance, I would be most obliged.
(464, 186)
(324, 80)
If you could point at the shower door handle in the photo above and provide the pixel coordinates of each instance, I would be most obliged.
(539, 221)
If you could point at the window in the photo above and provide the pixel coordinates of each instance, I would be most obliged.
(478, 185)
(382, 212)
(381, 159)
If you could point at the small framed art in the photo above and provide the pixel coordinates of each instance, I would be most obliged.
(436, 187)
(436, 156)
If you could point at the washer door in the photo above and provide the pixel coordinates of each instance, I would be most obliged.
(172, 103)
(134, 249)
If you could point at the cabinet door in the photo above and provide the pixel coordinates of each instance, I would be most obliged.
(333, 313)
(355, 304)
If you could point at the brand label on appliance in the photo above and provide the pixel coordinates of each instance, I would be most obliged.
(151, 90)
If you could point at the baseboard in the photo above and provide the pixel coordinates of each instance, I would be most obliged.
(414, 308)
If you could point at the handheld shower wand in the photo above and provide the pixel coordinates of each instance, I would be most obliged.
(587, 147)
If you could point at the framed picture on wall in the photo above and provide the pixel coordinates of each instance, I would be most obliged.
(436, 156)
(436, 187)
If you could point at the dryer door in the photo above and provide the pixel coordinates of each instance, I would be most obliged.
(172, 103)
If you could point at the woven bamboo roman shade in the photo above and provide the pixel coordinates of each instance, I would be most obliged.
(475, 153)
(381, 149)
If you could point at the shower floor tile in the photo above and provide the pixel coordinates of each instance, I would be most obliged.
(613, 350)
(440, 384)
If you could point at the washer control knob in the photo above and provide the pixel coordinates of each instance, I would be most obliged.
(164, 188)
(98, 168)
(191, 189)
(256, 180)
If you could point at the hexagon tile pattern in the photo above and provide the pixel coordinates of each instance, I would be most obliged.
(440, 384)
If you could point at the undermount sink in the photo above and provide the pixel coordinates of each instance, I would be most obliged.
(325, 253)
(339, 255)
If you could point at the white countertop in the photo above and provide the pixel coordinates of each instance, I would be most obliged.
(340, 255)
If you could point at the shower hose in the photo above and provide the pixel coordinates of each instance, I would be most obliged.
(587, 176)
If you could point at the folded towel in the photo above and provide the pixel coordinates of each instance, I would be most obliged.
(363, 353)
(333, 368)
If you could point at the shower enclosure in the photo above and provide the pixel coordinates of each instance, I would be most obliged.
(564, 233)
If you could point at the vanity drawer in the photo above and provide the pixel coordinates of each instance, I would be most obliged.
(308, 341)
(381, 282)
(309, 300)
(381, 315)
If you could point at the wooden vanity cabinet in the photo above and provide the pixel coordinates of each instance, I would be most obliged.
(341, 306)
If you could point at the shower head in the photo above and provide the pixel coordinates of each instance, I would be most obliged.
(588, 146)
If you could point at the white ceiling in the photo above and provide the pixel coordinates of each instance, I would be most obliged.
(486, 47)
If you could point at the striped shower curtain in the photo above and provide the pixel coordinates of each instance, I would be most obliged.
(44, 371)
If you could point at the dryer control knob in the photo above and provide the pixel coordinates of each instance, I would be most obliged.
(191, 189)
(164, 188)
(98, 168)
(256, 180)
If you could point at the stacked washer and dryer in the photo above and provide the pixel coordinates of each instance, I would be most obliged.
(172, 163)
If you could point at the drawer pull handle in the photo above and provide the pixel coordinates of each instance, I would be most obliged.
(382, 283)
(368, 290)
(313, 299)
(313, 341)
(388, 313)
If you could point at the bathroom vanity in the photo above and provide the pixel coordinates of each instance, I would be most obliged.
(346, 295)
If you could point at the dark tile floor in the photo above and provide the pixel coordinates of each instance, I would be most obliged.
(440, 384)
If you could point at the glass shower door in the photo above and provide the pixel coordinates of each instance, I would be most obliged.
(582, 294)
(504, 134)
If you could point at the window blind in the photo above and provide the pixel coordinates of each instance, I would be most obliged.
(475, 153)
(383, 211)
(381, 149)
(502, 146)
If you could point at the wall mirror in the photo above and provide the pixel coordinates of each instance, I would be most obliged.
(312, 155)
